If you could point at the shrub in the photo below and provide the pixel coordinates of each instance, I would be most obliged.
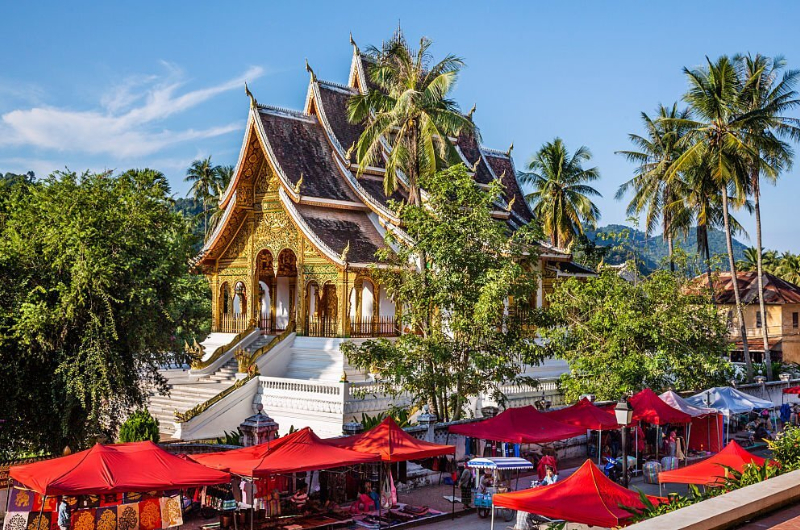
(786, 448)
(139, 426)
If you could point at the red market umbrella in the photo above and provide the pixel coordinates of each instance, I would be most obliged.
(585, 414)
(647, 406)
(391, 443)
(587, 497)
(519, 425)
(117, 468)
(712, 470)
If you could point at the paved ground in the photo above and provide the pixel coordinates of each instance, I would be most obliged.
(786, 519)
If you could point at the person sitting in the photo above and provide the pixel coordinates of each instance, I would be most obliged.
(550, 476)
(487, 481)
(372, 494)
(300, 498)
(364, 503)
(762, 433)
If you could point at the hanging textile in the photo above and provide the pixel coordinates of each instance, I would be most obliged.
(171, 513)
(128, 517)
(149, 514)
(37, 521)
(110, 499)
(106, 518)
(16, 521)
(21, 500)
(82, 520)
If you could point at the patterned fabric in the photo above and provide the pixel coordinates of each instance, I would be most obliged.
(110, 499)
(128, 517)
(171, 514)
(40, 522)
(21, 500)
(50, 503)
(150, 514)
(82, 520)
(651, 471)
(668, 463)
(88, 501)
(132, 497)
(16, 521)
(106, 518)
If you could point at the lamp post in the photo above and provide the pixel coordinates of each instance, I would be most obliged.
(624, 414)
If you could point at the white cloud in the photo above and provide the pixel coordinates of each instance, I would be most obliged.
(126, 123)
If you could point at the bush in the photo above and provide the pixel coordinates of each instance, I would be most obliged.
(786, 448)
(140, 426)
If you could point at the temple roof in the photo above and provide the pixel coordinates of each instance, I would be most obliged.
(339, 228)
(776, 290)
(503, 167)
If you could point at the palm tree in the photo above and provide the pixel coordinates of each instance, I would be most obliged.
(224, 176)
(766, 92)
(653, 193)
(204, 178)
(409, 112)
(560, 197)
(788, 268)
(721, 140)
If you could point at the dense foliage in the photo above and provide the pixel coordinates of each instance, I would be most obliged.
(139, 427)
(784, 265)
(620, 337)
(93, 285)
(459, 343)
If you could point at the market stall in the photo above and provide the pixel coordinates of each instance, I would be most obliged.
(123, 486)
(705, 428)
(586, 415)
(502, 471)
(712, 471)
(649, 408)
(587, 497)
(519, 425)
(731, 403)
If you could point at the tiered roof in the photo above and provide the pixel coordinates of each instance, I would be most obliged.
(776, 290)
(343, 216)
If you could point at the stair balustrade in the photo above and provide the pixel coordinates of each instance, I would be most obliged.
(322, 327)
(232, 323)
(386, 326)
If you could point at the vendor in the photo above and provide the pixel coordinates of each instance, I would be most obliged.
(300, 498)
(364, 503)
(550, 476)
(465, 483)
(373, 494)
(487, 481)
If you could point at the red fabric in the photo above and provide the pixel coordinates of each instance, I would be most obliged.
(137, 466)
(149, 514)
(647, 406)
(585, 414)
(294, 453)
(392, 443)
(545, 461)
(587, 497)
(706, 433)
(519, 425)
(711, 471)
(792, 390)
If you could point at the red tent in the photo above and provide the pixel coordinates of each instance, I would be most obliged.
(392, 443)
(792, 390)
(711, 471)
(294, 453)
(587, 497)
(519, 425)
(585, 414)
(118, 468)
(647, 406)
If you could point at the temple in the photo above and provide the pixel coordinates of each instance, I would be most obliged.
(291, 257)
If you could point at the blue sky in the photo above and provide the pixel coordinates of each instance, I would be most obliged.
(158, 84)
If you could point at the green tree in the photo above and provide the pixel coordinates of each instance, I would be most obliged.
(409, 109)
(620, 337)
(89, 269)
(204, 177)
(654, 193)
(560, 197)
(464, 343)
(139, 427)
(768, 93)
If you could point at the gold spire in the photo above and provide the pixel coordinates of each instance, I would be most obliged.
(354, 45)
(346, 251)
(471, 112)
(350, 150)
(299, 184)
(511, 202)
(253, 102)
(310, 71)
(475, 165)
(510, 148)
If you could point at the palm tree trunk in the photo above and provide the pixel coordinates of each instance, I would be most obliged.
(671, 250)
(735, 281)
(760, 272)
(703, 250)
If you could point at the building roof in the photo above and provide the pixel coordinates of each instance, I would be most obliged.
(776, 290)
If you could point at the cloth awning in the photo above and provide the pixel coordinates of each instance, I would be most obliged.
(391, 443)
(585, 414)
(500, 462)
(587, 497)
(294, 453)
(729, 401)
(647, 406)
(519, 425)
(675, 401)
(117, 468)
(712, 471)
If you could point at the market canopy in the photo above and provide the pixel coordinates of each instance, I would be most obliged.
(500, 462)
(587, 497)
(792, 390)
(712, 470)
(519, 425)
(647, 406)
(117, 468)
(675, 401)
(391, 443)
(294, 453)
(585, 414)
(729, 401)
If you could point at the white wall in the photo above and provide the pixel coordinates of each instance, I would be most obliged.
(312, 299)
(282, 302)
(387, 307)
(367, 301)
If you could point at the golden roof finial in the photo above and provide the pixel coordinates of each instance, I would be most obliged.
(350, 150)
(354, 45)
(510, 148)
(253, 102)
(345, 252)
(298, 184)
(472, 111)
(511, 202)
(475, 165)
(310, 71)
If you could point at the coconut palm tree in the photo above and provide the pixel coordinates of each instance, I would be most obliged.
(653, 193)
(560, 197)
(722, 140)
(204, 178)
(766, 91)
(788, 268)
(409, 112)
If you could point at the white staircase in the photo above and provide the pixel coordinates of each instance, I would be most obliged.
(319, 359)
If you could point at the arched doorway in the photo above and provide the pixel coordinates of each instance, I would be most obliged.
(322, 305)
(265, 276)
(285, 290)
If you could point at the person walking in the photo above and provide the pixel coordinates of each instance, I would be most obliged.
(465, 483)
(63, 514)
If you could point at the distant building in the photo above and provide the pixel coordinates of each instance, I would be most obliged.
(782, 300)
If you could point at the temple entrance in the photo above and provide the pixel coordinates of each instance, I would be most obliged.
(232, 316)
(323, 310)
(285, 290)
(265, 275)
